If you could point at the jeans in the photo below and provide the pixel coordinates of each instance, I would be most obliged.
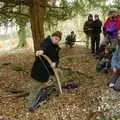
(95, 43)
(88, 38)
(35, 88)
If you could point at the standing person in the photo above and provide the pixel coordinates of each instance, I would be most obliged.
(96, 30)
(106, 41)
(70, 39)
(111, 27)
(88, 29)
(41, 70)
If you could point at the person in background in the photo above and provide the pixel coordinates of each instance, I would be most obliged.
(88, 29)
(106, 41)
(70, 39)
(104, 63)
(41, 69)
(111, 27)
(115, 79)
(96, 31)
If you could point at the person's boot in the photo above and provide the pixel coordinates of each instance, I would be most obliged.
(111, 85)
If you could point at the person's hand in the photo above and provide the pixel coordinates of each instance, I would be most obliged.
(98, 61)
(53, 65)
(89, 28)
(39, 53)
(114, 70)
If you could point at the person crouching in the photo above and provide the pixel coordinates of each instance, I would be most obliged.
(104, 63)
(115, 79)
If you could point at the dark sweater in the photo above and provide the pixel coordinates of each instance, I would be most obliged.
(88, 27)
(96, 27)
(105, 56)
(41, 69)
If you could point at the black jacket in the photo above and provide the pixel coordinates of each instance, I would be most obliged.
(88, 27)
(96, 27)
(70, 39)
(41, 70)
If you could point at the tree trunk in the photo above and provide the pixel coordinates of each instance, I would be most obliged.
(22, 36)
(37, 22)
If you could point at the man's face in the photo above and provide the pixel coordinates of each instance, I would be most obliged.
(55, 39)
(106, 51)
(96, 17)
(119, 35)
(110, 15)
(114, 14)
(90, 18)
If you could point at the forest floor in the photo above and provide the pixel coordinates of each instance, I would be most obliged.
(93, 100)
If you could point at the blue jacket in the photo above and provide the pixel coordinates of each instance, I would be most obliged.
(115, 63)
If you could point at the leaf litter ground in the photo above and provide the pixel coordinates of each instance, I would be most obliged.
(91, 101)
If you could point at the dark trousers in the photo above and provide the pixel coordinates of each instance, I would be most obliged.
(95, 42)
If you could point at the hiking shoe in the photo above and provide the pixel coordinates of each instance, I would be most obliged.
(40, 103)
(97, 56)
(31, 109)
(93, 55)
(111, 85)
(92, 52)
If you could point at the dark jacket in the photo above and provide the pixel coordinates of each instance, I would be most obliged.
(96, 27)
(88, 27)
(105, 56)
(111, 26)
(41, 69)
(70, 39)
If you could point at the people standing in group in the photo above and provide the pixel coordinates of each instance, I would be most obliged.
(111, 27)
(96, 31)
(70, 39)
(88, 29)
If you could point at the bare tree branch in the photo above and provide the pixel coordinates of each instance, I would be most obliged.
(18, 2)
(50, 6)
(17, 13)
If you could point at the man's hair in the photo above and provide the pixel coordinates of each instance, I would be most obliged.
(90, 15)
(58, 34)
(112, 10)
(96, 15)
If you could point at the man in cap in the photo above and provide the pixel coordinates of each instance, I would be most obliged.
(88, 29)
(96, 30)
(111, 27)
